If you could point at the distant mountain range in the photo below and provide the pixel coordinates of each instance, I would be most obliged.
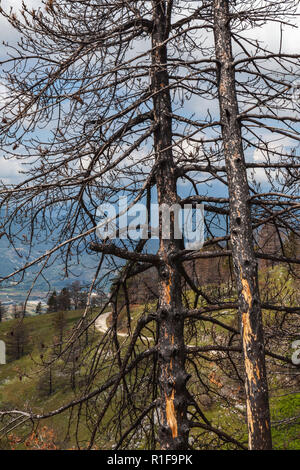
(13, 258)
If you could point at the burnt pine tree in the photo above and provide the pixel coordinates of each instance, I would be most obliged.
(75, 292)
(64, 300)
(59, 325)
(17, 341)
(245, 264)
(52, 303)
(38, 309)
(15, 311)
(137, 98)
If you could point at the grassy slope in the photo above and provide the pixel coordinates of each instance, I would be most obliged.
(15, 392)
(19, 380)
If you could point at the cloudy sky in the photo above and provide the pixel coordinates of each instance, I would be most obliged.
(269, 34)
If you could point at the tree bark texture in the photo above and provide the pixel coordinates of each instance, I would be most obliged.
(173, 433)
(245, 265)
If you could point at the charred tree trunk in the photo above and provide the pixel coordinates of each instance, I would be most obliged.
(174, 427)
(244, 259)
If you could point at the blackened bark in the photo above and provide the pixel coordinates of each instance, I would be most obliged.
(245, 265)
(173, 433)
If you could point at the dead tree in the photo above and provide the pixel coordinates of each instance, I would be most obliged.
(245, 264)
(115, 82)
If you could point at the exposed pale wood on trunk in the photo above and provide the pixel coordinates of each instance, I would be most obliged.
(174, 427)
(245, 264)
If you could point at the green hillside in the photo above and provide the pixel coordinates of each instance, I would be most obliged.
(22, 381)
(25, 385)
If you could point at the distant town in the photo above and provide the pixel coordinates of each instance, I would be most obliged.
(13, 302)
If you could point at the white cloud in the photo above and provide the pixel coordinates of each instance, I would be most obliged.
(269, 153)
(270, 34)
(4, 95)
(8, 33)
(9, 170)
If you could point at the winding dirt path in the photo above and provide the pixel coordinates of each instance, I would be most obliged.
(101, 325)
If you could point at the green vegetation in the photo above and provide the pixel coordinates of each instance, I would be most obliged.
(24, 382)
